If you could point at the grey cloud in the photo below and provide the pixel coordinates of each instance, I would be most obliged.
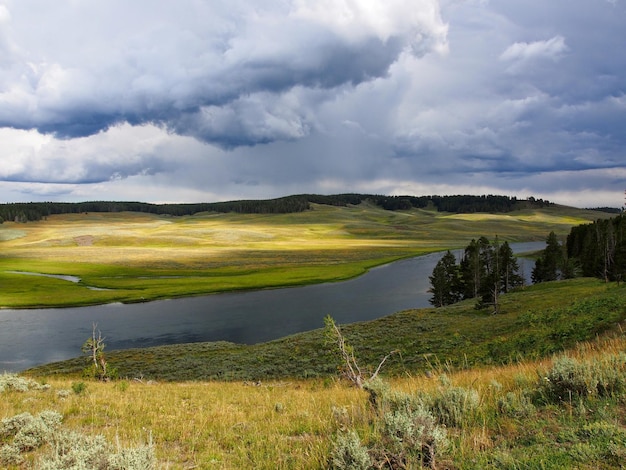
(177, 74)
(528, 98)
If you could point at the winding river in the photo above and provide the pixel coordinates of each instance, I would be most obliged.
(32, 337)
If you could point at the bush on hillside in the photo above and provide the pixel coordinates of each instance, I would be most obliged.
(568, 378)
(66, 450)
(19, 384)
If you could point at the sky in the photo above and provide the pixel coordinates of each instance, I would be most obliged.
(209, 100)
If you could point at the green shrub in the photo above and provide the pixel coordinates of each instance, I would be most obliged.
(10, 455)
(24, 433)
(515, 406)
(68, 450)
(454, 406)
(349, 453)
(408, 432)
(73, 451)
(79, 387)
(569, 378)
(19, 384)
(412, 435)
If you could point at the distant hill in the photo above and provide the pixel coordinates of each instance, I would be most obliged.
(31, 211)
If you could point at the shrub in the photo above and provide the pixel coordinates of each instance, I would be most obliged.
(68, 450)
(10, 455)
(412, 435)
(72, 451)
(25, 432)
(409, 433)
(79, 387)
(515, 406)
(454, 406)
(19, 384)
(349, 453)
(569, 378)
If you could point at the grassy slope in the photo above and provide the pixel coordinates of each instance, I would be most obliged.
(138, 257)
(536, 321)
(290, 424)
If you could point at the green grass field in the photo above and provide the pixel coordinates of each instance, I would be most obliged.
(486, 376)
(542, 385)
(131, 257)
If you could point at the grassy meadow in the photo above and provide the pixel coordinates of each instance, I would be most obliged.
(542, 385)
(134, 257)
(507, 422)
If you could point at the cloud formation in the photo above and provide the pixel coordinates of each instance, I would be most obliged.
(195, 67)
(188, 101)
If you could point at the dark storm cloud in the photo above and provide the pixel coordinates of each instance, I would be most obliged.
(169, 70)
(187, 101)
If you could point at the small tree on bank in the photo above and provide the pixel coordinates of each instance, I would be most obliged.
(94, 348)
(350, 368)
(550, 265)
(486, 270)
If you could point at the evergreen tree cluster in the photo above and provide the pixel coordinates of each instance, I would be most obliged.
(485, 271)
(552, 264)
(32, 211)
(599, 249)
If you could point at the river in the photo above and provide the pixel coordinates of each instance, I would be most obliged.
(38, 336)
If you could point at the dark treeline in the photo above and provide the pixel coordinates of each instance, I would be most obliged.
(599, 249)
(485, 271)
(31, 211)
(609, 210)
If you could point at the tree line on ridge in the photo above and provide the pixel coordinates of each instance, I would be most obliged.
(33, 211)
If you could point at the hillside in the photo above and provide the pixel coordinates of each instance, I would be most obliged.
(536, 321)
(134, 256)
(552, 413)
(542, 384)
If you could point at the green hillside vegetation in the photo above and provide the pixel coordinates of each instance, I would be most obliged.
(540, 385)
(463, 385)
(135, 256)
(534, 322)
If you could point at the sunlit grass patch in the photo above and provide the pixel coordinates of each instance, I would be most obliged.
(134, 252)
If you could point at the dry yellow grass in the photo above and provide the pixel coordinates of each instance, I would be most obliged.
(274, 425)
(205, 425)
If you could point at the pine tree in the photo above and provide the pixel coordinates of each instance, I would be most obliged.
(445, 285)
(509, 269)
(550, 265)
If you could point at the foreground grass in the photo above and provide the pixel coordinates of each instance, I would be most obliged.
(293, 424)
(132, 257)
(489, 379)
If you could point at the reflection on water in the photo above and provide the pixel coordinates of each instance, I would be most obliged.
(31, 337)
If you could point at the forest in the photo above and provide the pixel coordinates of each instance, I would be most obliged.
(486, 270)
(32, 211)
(599, 249)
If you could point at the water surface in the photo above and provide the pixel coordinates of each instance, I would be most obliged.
(32, 337)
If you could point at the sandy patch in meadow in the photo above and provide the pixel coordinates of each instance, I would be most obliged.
(84, 240)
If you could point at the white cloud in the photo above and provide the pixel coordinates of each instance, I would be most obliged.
(552, 48)
(187, 101)
(137, 63)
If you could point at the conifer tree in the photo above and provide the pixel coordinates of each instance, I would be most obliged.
(445, 282)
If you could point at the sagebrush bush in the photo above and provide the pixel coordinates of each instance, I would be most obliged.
(349, 453)
(454, 406)
(24, 433)
(412, 435)
(569, 378)
(515, 405)
(74, 451)
(19, 384)
(408, 435)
